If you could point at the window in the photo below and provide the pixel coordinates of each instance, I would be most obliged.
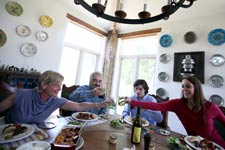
(82, 54)
(137, 59)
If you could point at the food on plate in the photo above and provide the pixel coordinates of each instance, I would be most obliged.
(116, 123)
(143, 121)
(202, 143)
(67, 136)
(85, 116)
(13, 130)
(74, 122)
(175, 143)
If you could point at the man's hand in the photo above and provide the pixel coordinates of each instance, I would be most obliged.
(98, 91)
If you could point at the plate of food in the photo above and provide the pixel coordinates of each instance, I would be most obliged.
(35, 145)
(68, 137)
(199, 143)
(85, 116)
(163, 131)
(129, 120)
(14, 132)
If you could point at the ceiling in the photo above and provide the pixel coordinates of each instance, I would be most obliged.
(200, 8)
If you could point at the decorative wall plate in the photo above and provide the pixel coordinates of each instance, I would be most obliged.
(14, 8)
(217, 100)
(23, 30)
(217, 60)
(41, 36)
(190, 37)
(216, 37)
(28, 49)
(166, 40)
(163, 76)
(216, 81)
(164, 58)
(3, 38)
(46, 21)
(161, 93)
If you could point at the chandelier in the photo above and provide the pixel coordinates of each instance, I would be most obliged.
(98, 9)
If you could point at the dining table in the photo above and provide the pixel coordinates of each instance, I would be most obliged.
(96, 135)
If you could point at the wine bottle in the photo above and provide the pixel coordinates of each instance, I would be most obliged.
(136, 128)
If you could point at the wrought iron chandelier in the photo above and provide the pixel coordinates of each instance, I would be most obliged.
(98, 9)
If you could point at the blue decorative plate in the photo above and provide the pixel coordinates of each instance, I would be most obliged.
(216, 37)
(166, 40)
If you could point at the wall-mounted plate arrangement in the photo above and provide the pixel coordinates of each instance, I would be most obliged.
(46, 21)
(163, 76)
(216, 81)
(216, 37)
(14, 8)
(23, 30)
(28, 49)
(161, 93)
(164, 58)
(3, 38)
(41, 35)
(190, 37)
(166, 40)
(217, 60)
(217, 100)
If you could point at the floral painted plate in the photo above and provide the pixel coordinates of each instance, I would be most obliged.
(23, 30)
(3, 38)
(166, 40)
(14, 8)
(46, 21)
(216, 37)
(217, 60)
(28, 49)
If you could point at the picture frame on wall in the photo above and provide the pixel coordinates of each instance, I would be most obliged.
(189, 64)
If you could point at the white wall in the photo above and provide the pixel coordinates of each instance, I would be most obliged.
(49, 52)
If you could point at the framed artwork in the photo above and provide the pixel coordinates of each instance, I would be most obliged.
(189, 64)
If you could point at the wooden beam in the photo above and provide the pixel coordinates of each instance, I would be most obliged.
(87, 26)
(140, 33)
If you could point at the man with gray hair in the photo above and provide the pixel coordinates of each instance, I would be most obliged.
(91, 93)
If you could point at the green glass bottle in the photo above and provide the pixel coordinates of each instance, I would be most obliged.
(136, 128)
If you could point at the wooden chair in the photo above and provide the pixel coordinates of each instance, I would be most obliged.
(66, 91)
(164, 123)
(220, 128)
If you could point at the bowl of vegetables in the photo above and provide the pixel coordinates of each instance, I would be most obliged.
(175, 144)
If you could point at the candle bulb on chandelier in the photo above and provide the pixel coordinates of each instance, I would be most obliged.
(99, 1)
(121, 6)
(145, 7)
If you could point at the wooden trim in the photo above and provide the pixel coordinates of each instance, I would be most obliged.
(140, 33)
(87, 26)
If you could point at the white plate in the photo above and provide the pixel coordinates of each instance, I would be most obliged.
(35, 145)
(217, 60)
(216, 81)
(163, 131)
(187, 140)
(23, 30)
(164, 58)
(128, 120)
(74, 116)
(163, 76)
(28, 49)
(30, 130)
(218, 100)
(41, 35)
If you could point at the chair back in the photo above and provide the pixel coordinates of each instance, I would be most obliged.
(66, 91)
(164, 123)
(219, 126)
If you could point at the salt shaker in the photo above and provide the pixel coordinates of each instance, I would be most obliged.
(147, 140)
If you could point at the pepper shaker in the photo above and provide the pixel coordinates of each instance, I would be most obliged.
(147, 140)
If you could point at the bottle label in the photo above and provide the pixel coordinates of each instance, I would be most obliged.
(137, 135)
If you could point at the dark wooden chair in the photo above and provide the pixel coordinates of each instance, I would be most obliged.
(66, 91)
(220, 128)
(164, 123)
(5, 91)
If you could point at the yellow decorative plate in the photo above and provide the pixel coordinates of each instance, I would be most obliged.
(14, 8)
(46, 21)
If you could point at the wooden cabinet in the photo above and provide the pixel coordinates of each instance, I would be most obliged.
(20, 79)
